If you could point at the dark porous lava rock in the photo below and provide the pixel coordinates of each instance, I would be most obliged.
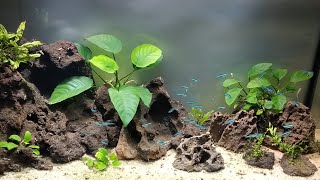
(153, 131)
(232, 135)
(303, 130)
(300, 166)
(60, 60)
(196, 154)
(266, 161)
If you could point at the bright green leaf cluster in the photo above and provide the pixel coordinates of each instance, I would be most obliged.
(124, 97)
(256, 151)
(103, 160)
(199, 115)
(10, 50)
(16, 142)
(264, 92)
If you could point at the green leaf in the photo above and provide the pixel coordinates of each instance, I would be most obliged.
(27, 137)
(89, 162)
(258, 69)
(11, 145)
(104, 63)
(300, 76)
(106, 42)
(279, 73)
(100, 166)
(252, 99)
(84, 51)
(229, 82)
(257, 82)
(20, 30)
(32, 44)
(268, 104)
(69, 88)
(125, 101)
(113, 157)
(34, 147)
(278, 102)
(103, 151)
(15, 137)
(259, 112)
(247, 107)
(3, 144)
(143, 93)
(291, 88)
(234, 93)
(116, 163)
(36, 152)
(145, 55)
(102, 157)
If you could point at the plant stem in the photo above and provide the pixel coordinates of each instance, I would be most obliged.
(243, 88)
(127, 75)
(97, 74)
(116, 74)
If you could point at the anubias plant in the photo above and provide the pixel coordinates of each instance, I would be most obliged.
(199, 115)
(267, 89)
(15, 142)
(124, 97)
(103, 160)
(11, 52)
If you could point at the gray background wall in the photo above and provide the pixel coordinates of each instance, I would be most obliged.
(199, 38)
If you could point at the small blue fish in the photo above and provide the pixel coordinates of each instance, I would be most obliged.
(287, 126)
(184, 87)
(295, 103)
(221, 107)
(93, 110)
(163, 142)
(194, 80)
(171, 110)
(285, 133)
(221, 75)
(230, 121)
(197, 107)
(199, 126)
(184, 95)
(191, 102)
(308, 73)
(253, 135)
(189, 121)
(146, 124)
(178, 133)
(267, 89)
(104, 124)
(105, 142)
(260, 77)
(227, 95)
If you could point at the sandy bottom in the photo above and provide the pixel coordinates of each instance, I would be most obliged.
(235, 168)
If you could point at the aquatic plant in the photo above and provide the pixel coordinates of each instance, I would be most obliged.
(11, 52)
(15, 142)
(199, 115)
(102, 160)
(291, 150)
(256, 150)
(266, 91)
(124, 97)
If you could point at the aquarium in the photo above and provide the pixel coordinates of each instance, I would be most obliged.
(139, 89)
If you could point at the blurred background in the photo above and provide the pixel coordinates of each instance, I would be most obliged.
(200, 39)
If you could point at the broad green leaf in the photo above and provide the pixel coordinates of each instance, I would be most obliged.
(143, 93)
(291, 87)
(15, 137)
(3, 144)
(278, 101)
(103, 151)
(104, 63)
(258, 69)
(268, 104)
(84, 51)
(89, 162)
(257, 82)
(102, 157)
(229, 82)
(279, 73)
(247, 107)
(36, 152)
(145, 55)
(34, 147)
(252, 99)
(106, 42)
(126, 102)
(300, 76)
(113, 157)
(259, 112)
(100, 166)
(116, 163)
(11, 145)
(27, 137)
(69, 88)
(234, 93)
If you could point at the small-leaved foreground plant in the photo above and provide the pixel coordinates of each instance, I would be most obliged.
(103, 160)
(199, 115)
